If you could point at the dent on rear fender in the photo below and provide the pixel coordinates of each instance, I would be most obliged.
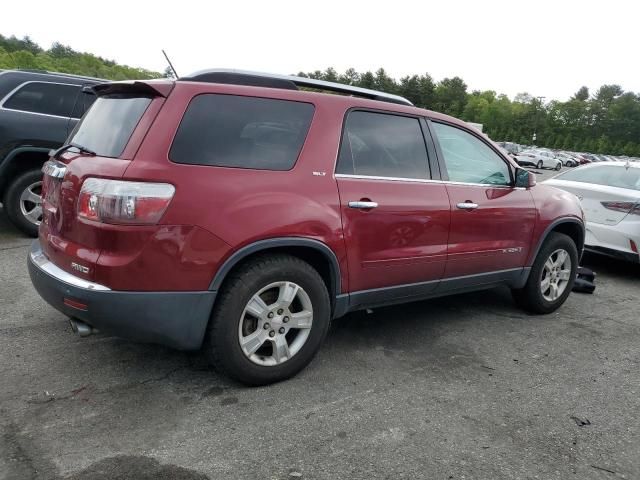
(173, 258)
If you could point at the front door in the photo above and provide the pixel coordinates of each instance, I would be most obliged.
(395, 220)
(491, 221)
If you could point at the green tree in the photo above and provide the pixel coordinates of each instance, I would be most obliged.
(451, 96)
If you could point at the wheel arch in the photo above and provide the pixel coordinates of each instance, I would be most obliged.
(11, 165)
(318, 254)
(570, 226)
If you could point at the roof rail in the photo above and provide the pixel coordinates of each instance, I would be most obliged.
(289, 82)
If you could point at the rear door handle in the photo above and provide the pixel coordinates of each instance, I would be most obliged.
(363, 205)
(467, 205)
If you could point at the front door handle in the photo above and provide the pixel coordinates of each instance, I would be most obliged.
(363, 205)
(467, 205)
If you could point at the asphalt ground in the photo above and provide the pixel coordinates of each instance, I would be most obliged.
(460, 387)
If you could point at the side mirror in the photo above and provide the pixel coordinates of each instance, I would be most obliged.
(524, 178)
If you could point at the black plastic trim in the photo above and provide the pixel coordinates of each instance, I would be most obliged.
(610, 252)
(280, 243)
(553, 225)
(514, 278)
(174, 319)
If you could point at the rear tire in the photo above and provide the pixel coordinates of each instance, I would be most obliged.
(23, 209)
(539, 165)
(537, 295)
(253, 304)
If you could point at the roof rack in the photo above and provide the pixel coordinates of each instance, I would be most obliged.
(288, 82)
(55, 74)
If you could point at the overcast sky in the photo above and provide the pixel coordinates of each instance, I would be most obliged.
(547, 48)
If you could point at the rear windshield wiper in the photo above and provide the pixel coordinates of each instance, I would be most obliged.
(67, 146)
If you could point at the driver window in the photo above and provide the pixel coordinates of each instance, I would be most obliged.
(470, 160)
(383, 145)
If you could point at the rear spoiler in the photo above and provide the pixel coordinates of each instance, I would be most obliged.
(150, 88)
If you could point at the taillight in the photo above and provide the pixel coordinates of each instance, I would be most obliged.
(123, 202)
(632, 208)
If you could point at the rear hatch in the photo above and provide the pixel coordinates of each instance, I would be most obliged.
(102, 145)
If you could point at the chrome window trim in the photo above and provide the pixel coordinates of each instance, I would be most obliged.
(15, 90)
(419, 180)
(40, 260)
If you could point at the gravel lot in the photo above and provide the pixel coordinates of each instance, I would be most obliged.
(459, 387)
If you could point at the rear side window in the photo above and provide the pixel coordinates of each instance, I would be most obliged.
(46, 98)
(611, 175)
(383, 145)
(109, 123)
(242, 132)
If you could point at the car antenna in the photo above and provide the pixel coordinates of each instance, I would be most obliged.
(175, 74)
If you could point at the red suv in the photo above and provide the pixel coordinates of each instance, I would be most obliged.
(237, 213)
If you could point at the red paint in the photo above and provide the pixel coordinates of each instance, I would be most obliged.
(416, 234)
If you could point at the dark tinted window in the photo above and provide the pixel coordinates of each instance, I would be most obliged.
(378, 144)
(41, 97)
(84, 101)
(109, 123)
(611, 175)
(468, 159)
(244, 132)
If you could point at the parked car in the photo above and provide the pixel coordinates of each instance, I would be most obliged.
(510, 147)
(540, 159)
(37, 112)
(566, 159)
(610, 196)
(234, 212)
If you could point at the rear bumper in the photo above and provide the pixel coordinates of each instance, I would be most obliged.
(614, 240)
(175, 319)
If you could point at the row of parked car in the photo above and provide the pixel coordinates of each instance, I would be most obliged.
(529, 156)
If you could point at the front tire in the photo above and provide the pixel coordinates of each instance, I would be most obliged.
(23, 203)
(558, 167)
(269, 321)
(552, 276)
(539, 165)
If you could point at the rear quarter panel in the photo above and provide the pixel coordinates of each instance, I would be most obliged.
(240, 206)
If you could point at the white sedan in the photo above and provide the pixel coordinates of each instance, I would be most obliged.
(610, 196)
(539, 158)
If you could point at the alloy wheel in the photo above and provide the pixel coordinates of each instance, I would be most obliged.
(31, 203)
(275, 323)
(555, 275)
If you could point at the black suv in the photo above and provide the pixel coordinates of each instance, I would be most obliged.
(37, 112)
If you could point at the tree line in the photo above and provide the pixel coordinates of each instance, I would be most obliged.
(26, 54)
(607, 121)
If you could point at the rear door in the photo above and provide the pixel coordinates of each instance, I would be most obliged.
(491, 221)
(395, 219)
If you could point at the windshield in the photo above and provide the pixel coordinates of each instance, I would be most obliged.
(106, 127)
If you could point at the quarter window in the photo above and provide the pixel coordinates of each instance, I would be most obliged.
(42, 97)
(380, 144)
(468, 159)
(242, 132)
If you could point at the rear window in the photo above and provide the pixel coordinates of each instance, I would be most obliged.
(109, 123)
(242, 132)
(45, 98)
(611, 175)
